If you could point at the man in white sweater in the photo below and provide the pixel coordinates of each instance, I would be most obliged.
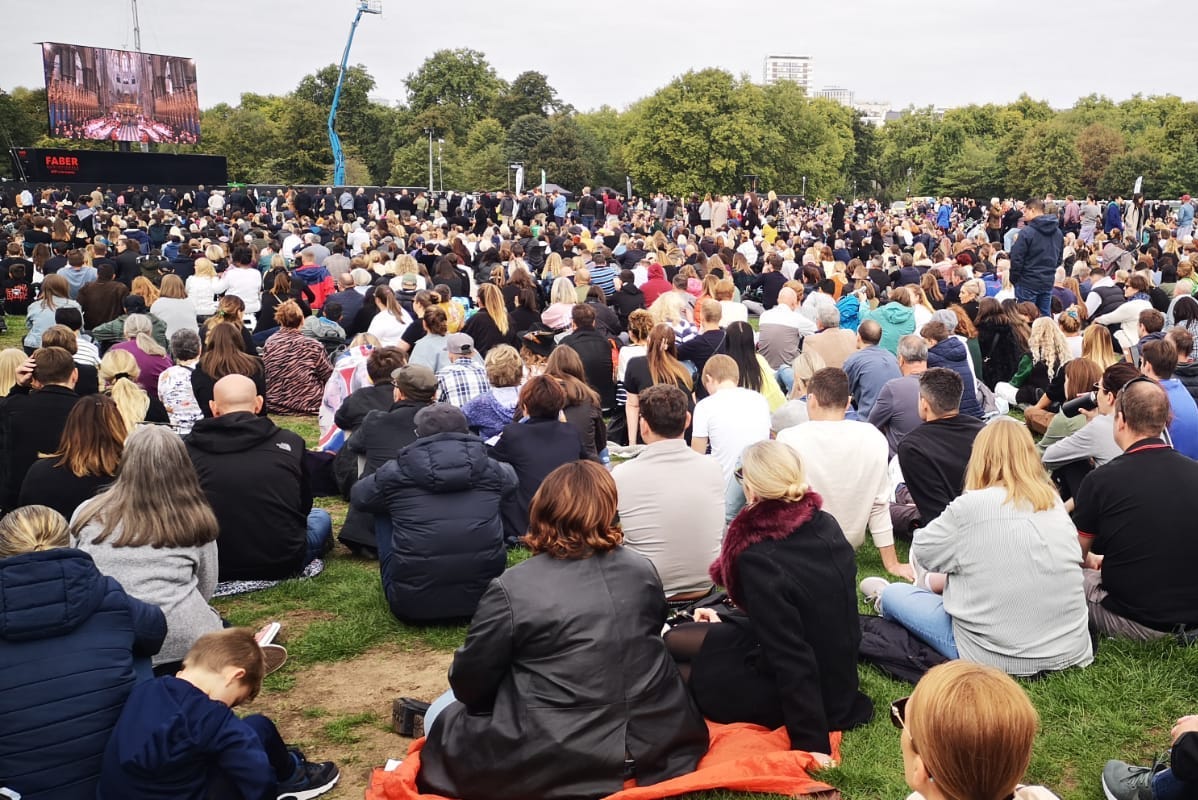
(846, 463)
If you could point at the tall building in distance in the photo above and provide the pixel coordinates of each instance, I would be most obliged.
(788, 68)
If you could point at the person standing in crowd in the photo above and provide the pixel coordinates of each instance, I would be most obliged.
(1036, 255)
(1134, 525)
(438, 526)
(676, 524)
(606, 683)
(789, 570)
(254, 475)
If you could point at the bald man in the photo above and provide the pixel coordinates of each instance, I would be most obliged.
(781, 330)
(254, 476)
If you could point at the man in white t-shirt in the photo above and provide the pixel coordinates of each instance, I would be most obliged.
(731, 417)
(846, 462)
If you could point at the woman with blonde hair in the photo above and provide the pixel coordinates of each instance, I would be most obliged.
(150, 356)
(157, 538)
(794, 410)
(562, 299)
(490, 327)
(932, 295)
(1011, 561)
(491, 411)
(74, 648)
(119, 376)
(571, 667)
(1039, 367)
(967, 732)
(660, 364)
(10, 359)
(670, 309)
(56, 294)
(144, 288)
(1070, 322)
(789, 571)
(203, 287)
(174, 307)
(1099, 347)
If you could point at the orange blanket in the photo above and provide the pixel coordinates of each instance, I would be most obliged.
(742, 757)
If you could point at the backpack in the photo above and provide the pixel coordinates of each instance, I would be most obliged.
(894, 650)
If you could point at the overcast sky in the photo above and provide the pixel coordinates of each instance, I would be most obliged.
(614, 52)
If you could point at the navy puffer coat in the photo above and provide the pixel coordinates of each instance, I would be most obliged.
(72, 645)
(442, 494)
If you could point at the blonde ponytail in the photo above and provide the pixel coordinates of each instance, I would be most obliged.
(31, 529)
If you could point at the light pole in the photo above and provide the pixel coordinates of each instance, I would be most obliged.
(804, 192)
(429, 131)
(440, 165)
(909, 171)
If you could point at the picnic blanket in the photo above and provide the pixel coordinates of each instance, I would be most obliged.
(230, 588)
(741, 757)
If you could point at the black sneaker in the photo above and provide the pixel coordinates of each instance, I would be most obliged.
(309, 780)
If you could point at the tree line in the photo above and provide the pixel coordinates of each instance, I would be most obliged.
(706, 130)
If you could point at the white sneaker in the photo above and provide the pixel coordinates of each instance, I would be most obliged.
(872, 589)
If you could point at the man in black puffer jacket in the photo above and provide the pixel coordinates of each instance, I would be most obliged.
(438, 524)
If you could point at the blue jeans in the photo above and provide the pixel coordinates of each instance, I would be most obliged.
(1166, 786)
(734, 499)
(320, 531)
(1042, 299)
(921, 612)
(435, 709)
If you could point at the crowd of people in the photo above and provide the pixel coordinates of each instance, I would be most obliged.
(479, 367)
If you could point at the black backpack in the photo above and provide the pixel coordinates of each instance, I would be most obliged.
(894, 650)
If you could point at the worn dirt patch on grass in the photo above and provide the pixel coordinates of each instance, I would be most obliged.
(342, 711)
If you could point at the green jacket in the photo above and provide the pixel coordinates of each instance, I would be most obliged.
(114, 331)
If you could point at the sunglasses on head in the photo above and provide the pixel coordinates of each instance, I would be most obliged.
(739, 474)
(898, 713)
(1123, 391)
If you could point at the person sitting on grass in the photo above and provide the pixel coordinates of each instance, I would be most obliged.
(967, 731)
(547, 664)
(1178, 781)
(436, 509)
(73, 644)
(178, 737)
(1010, 567)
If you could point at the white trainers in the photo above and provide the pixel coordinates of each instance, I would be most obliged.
(872, 589)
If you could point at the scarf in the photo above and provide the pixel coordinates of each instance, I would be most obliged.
(764, 521)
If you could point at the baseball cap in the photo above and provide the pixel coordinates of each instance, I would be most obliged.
(440, 418)
(460, 344)
(416, 381)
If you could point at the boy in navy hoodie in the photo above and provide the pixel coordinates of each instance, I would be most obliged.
(178, 737)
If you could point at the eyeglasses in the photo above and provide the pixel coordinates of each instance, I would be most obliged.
(739, 474)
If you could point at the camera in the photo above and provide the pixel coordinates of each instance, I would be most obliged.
(1085, 402)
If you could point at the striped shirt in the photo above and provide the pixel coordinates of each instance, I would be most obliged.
(1014, 588)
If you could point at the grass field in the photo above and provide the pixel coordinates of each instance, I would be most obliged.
(1120, 707)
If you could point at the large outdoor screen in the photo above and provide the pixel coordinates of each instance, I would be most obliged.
(120, 95)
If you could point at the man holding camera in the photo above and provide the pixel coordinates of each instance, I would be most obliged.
(1094, 445)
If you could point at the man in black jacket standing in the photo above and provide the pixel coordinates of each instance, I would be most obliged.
(33, 415)
(1035, 256)
(254, 476)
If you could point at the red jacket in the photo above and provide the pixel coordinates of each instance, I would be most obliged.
(657, 285)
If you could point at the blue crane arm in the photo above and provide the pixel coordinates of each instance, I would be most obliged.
(334, 139)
